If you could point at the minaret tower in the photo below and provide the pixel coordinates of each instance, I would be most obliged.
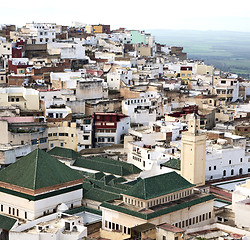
(193, 152)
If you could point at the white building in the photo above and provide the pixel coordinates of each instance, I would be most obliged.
(225, 160)
(5, 51)
(115, 77)
(241, 205)
(84, 133)
(40, 33)
(227, 89)
(36, 185)
(25, 98)
(56, 97)
(57, 112)
(140, 110)
(10, 154)
(55, 226)
(68, 49)
(147, 108)
(65, 80)
(144, 156)
(110, 128)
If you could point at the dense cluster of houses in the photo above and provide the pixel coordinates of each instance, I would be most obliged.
(108, 134)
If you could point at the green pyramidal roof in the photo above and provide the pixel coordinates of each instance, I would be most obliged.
(159, 185)
(38, 170)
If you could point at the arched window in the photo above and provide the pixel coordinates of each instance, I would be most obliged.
(232, 172)
(240, 171)
(224, 173)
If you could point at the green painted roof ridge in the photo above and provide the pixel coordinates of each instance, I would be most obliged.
(144, 188)
(36, 166)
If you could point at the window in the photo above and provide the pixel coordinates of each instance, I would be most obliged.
(232, 172)
(230, 161)
(240, 171)
(61, 144)
(9, 210)
(240, 159)
(1, 207)
(224, 173)
(85, 137)
(214, 167)
(209, 168)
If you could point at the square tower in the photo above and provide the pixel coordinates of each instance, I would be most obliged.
(193, 152)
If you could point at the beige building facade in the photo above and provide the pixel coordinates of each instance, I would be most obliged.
(25, 98)
(193, 153)
(62, 134)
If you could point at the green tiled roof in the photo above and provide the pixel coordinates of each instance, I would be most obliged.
(64, 152)
(6, 223)
(160, 212)
(107, 165)
(102, 185)
(100, 195)
(107, 178)
(83, 209)
(104, 189)
(98, 175)
(173, 163)
(38, 170)
(159, 185)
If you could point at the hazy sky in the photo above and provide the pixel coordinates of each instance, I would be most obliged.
(133, 14)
